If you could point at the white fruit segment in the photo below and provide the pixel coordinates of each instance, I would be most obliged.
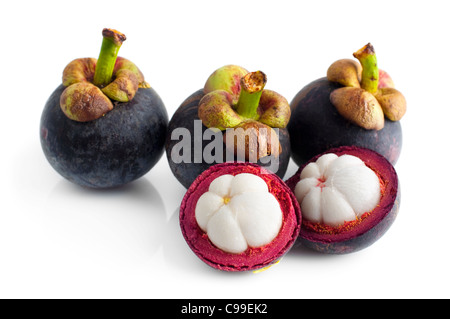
(238, 212)
(337, 189)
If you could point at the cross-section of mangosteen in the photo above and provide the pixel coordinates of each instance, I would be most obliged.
(104, 126)
(233, 118)
(355, 105)
(349, 197)
(239, 216)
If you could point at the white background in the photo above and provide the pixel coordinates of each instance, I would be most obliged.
(58, 240)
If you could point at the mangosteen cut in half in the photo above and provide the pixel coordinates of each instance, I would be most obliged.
(239, 216)
(349, 197)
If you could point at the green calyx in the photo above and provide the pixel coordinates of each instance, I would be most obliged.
(368, 59)
(221, 109)
(112, 41)
(252, 85)
(108, 78)
(226, 78)
(368, 95)
(237, 99)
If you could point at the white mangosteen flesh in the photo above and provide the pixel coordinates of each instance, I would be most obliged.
(238, 212)
(337, 189)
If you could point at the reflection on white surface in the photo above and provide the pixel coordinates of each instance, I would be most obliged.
(130, 219)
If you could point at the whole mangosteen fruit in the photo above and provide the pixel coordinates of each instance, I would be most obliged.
(349, 197)
(355, 105)
(233, 118)
(239, 216)
(104, 126)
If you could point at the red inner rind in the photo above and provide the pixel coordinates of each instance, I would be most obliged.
(252, 258)
(350, 230)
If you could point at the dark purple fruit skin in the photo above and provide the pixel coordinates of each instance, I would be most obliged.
(108, 152)
(184, 117)
(366, 239)
(316, 126)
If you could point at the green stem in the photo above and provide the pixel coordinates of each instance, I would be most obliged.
(112, 41)
(252, 86)
(367, 58)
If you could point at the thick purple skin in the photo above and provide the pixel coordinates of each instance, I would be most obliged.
(316, 126)
(253, 258)
(111, 151)
(184, 117)
(371, 229)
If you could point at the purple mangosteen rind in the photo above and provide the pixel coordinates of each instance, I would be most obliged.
(252, 258)
(374, 225)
